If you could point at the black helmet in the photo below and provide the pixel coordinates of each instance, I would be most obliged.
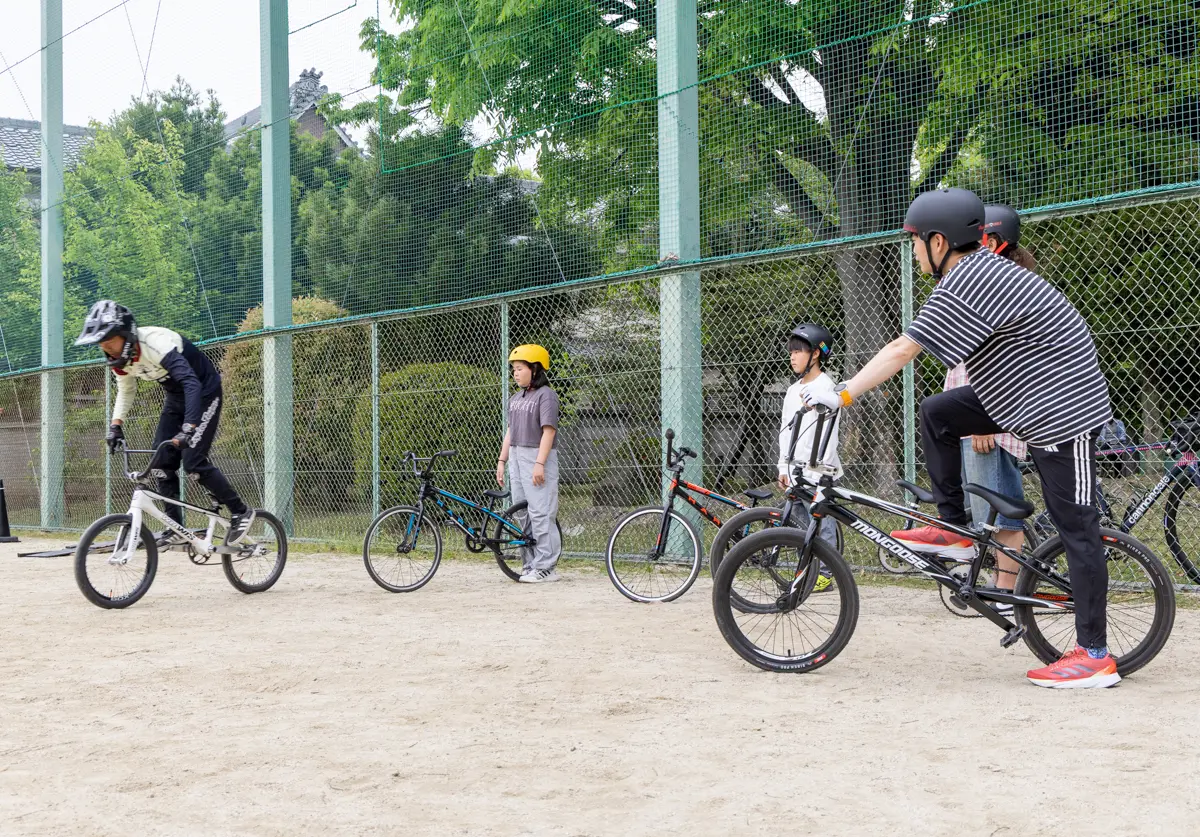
(816, 338)
(955, 213)
(105, 320)
(812, 335)
(1004, 223)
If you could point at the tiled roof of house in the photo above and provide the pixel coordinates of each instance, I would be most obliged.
(21, 144)
(305, 93)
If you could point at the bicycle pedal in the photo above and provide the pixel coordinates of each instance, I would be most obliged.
(1013, 636)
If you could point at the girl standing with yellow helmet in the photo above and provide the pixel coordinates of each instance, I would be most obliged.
(529, 449)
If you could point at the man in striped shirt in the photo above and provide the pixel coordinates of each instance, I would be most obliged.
(1034, 373)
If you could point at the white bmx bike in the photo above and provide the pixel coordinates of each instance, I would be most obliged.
(117, 558)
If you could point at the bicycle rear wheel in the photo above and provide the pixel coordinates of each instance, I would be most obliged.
(401, 550)
(1140, 603)
(107, 576)
(760, 569)
(512, 558)
(262, 553)
(1181, 524)
(643, 572)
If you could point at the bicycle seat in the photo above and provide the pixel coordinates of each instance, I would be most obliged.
(923, 495)
(494, 494)
(1010, 507)
(757, 494)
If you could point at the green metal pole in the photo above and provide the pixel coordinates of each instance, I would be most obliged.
(52, 436)
(504, 375)
(278, 467)
(910, 388)
(679, 225)
(376, 474)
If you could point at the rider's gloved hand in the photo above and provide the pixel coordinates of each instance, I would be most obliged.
(184, 437)
(114, 437)
(814, 395)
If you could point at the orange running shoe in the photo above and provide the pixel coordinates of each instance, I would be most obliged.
(935, 541)
(1077, 670)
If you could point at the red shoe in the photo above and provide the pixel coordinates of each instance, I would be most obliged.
(1076, 670)
(931, 539)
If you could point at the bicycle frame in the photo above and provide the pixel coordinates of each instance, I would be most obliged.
(680, 488)
(440, 496)
(142, 505)
(825, 502)
(1185, 467)
(1133, 513)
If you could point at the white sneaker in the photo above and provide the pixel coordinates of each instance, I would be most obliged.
(540, 577)
(525, 574)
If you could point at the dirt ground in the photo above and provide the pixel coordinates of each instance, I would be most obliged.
(479, 706)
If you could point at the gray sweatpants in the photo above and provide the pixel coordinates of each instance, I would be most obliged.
(543, 505)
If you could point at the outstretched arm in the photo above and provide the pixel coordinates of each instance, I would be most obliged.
(891, 359)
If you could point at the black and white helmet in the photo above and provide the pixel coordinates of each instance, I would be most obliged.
(108, 319)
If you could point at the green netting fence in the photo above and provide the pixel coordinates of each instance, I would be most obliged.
(493, 177)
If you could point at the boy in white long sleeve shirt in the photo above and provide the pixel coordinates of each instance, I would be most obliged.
(809, 346)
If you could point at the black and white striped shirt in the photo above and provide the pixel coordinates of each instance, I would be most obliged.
(1029, 354)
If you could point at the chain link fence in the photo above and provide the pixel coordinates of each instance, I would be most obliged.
(366, 391)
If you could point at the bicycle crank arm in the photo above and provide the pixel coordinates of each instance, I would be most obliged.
(1012, 598)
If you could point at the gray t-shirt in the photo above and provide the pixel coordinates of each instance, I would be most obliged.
(528, 412)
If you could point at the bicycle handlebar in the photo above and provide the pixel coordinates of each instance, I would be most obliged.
(821, 434)
(416, 460)
(675, 457)
(138, 476)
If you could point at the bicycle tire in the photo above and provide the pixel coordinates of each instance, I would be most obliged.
(740, 560)
(86, 548)
(1049, 646)
(626, 567)
(511, 561)
(237, 568)
(377, 573)
(1033, 538)
(1172, 511)
(730, 532)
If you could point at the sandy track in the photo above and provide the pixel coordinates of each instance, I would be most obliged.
(478, 706)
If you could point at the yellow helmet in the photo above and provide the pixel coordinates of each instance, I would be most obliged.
(531, 353)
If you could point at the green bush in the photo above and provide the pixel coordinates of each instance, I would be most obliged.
(331, 375)
(427, 407)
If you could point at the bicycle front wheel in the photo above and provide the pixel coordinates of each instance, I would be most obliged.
(402, 549)
(760, 569)
(261, 554)
(1181, 524)
(108, 572)
(642, 569)
(1140, 603)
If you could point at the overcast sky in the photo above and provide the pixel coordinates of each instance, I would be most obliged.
(211, 43)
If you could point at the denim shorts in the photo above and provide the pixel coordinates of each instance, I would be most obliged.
(998, 471)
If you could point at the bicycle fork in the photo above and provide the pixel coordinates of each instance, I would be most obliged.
(664, 529)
